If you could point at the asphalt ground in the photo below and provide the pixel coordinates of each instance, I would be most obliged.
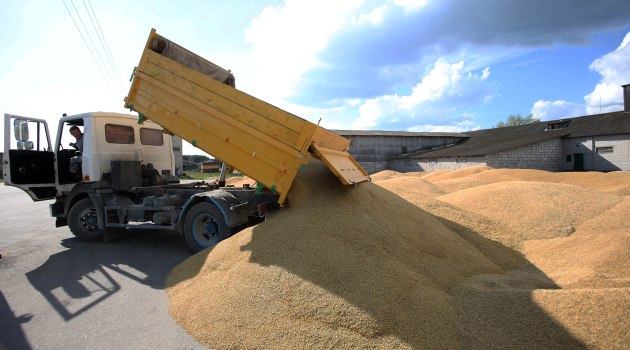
(57, 292)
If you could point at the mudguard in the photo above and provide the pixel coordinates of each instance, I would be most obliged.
(233, 213)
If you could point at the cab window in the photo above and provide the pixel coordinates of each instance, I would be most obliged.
(119, 134)
(151, 137)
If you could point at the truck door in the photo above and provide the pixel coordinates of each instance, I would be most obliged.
(29, 159)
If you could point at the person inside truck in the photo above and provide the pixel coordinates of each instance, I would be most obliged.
(75, 162)
(76, 132)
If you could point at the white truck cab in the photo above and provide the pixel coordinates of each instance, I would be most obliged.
(45, 172)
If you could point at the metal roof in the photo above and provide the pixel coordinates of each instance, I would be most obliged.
(397, 133)
(495, 140)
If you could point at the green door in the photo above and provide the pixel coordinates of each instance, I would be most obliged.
(578, 161)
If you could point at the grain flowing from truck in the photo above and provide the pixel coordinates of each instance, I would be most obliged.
(408, 262)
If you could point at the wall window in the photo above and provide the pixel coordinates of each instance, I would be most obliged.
(558, 125)
(569, 158)
(603, 149)
(152, 137)
(119, 134)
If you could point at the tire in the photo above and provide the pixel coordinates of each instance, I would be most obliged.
(204, 226)
(83, 221)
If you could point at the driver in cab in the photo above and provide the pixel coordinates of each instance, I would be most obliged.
(76, 132)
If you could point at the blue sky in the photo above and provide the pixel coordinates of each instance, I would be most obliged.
(414, 65)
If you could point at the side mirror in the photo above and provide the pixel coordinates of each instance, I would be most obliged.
(20, 129)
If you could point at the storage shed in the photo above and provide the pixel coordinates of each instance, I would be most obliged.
(374, 149)
(597, 142)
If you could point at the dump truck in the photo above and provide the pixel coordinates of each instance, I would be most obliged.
(123, 177)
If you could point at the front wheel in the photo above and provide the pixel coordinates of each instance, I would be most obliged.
(83, 221)
(204, 226)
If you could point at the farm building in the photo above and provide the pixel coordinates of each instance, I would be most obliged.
(598, 142)
(211, 166)
(590, 143)
(374, 149)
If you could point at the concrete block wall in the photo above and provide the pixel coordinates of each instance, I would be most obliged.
(446, 163)
(545, 155)
(550, 155)
(618, 159)
(380, 148)
(374, 167)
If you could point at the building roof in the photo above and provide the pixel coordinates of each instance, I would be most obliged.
(495, 140)
(397, 133)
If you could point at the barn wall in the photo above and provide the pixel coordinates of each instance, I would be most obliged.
(546, 155)
(600, 153)
(445, 163)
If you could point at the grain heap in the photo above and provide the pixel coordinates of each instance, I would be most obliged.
(422, 261)
(339, 268)
(573, 230)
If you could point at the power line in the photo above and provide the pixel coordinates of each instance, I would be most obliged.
(104, 45)
(105, 76)
(98, 54)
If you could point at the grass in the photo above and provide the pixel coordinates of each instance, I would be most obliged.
(198, 175)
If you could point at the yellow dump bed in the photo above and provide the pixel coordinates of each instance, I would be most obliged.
(195, 99)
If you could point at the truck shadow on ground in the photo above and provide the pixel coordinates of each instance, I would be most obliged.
(82, 276)
(11, 327)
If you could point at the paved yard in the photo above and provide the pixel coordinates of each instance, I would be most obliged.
(59, 293)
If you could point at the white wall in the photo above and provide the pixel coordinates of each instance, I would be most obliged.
(618, 159)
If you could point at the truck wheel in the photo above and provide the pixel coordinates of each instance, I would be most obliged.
(83, 221)
(204, 226)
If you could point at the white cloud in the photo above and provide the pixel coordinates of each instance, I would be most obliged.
(375, 16)
(607, 96)
(551, 110)
(442, 79)
(411, 5)
(372, 110)
(446, 85)
(286, 39)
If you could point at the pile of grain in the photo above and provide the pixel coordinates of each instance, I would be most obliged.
(572, 228)
(534, 210)
(478, 258)
(339, 268)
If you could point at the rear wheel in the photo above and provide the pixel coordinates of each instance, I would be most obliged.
(83, 221)
(204, 226)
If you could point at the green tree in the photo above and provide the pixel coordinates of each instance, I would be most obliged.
(196, 158)
(517, 119)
